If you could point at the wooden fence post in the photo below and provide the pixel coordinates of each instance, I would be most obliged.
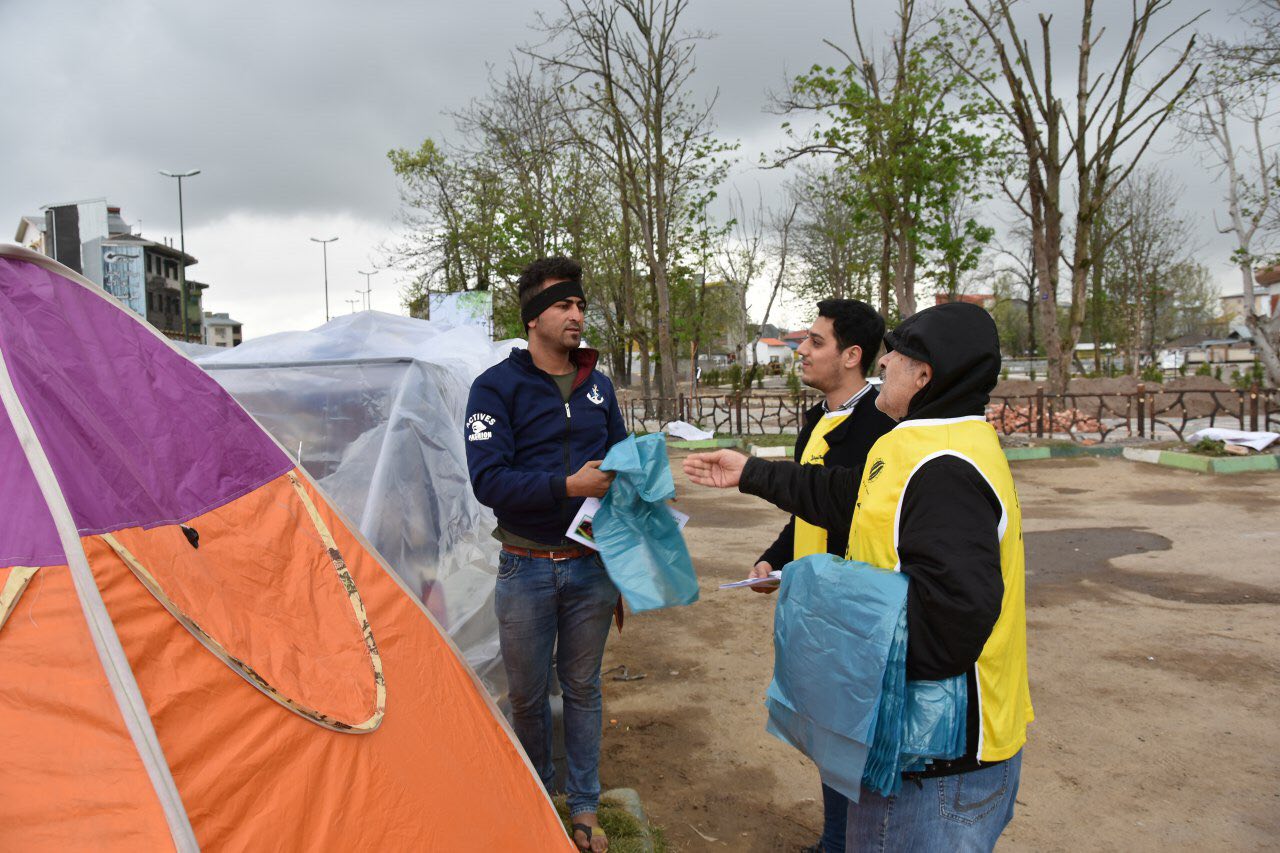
(1039, 411)
(1142, 410)
(1253, 408)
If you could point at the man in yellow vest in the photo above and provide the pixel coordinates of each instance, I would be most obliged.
(836, 356)
(935, 501)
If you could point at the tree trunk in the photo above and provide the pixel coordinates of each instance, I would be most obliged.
(904, 278)
(886, 269)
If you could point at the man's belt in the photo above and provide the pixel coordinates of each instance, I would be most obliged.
(559, 554)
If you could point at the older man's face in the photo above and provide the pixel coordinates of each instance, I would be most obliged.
(903, 377)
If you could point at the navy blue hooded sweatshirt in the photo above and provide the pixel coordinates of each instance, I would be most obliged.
(523, 440)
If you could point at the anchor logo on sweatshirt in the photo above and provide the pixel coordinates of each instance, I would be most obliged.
(595, 396)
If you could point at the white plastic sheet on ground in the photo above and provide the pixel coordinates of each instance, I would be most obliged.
(687, 431)
(1256, 440)
(372, 405)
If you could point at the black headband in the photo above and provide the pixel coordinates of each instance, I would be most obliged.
(548, 296)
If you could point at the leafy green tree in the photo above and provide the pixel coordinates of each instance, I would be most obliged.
(906, 131)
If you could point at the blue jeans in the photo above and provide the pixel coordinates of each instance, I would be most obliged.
(964, 812)
(835, 810)
(565, 606)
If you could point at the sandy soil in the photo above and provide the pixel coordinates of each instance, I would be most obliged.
(1153, 642)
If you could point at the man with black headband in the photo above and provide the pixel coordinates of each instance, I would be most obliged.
(935, 501)
(538, 425)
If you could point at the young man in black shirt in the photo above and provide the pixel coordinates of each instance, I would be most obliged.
(841, 349)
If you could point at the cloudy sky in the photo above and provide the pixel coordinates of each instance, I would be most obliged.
(289, 108)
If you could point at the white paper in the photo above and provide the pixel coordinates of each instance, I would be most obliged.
(774, 578)
(580, 528)
(1257, 440)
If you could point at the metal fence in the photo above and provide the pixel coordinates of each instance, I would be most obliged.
(725, 414)
(1149, 412)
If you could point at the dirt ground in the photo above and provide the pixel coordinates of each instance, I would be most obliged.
(1154, 649)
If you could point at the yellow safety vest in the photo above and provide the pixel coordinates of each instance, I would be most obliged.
(809, 538)
(1004, 698)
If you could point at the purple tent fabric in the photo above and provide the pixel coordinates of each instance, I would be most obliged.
(28, 536)
(136, 434)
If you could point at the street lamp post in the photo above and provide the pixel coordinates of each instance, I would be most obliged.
(324, 245)
(368, 288)
(352, 303)
(182, 243)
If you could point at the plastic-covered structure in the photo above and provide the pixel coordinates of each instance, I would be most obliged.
(371, 405)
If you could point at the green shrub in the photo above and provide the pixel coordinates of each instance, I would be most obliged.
(1209, 447)
(1246, 379)
(1205, 369)
(735, 376)
(1152, 373)
(793, 384)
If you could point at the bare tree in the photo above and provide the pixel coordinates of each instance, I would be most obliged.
(1117, 113)
(630, 64)
(1138, 271)
(1250, 173)
(1021, 268)
(740, 260)
(837, 246)
(1255, 58)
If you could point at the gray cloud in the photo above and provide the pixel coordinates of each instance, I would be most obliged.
(290, 107)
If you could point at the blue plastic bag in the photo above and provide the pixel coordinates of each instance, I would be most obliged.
(639, 540)
(834, 625)
(839, 692)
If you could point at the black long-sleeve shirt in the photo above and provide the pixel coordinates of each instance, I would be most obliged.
(948, 544)
(847, 447)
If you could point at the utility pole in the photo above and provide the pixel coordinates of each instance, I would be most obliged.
(324, 247)
(182, 237)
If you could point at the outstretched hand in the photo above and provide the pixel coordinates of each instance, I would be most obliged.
(721, 469)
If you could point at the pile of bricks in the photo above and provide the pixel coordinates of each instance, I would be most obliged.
(1011, 419)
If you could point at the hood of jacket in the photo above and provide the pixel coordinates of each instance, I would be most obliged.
(959, 341)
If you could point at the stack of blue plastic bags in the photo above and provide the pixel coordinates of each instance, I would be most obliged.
(840, 693)
(637, 537)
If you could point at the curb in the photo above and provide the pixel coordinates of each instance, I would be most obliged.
(1204, 464)
(782, 451)
(704, 444)
(629, 799)
(1025, 454)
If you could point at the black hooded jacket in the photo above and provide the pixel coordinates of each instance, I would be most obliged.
(948, 534)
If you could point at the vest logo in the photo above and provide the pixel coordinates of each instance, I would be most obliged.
(480, 426)
(876, 468)
(595, 396)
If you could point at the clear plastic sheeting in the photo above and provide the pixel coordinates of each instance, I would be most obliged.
(372, 405)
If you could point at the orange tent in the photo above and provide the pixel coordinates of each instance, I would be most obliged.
(196, 649)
